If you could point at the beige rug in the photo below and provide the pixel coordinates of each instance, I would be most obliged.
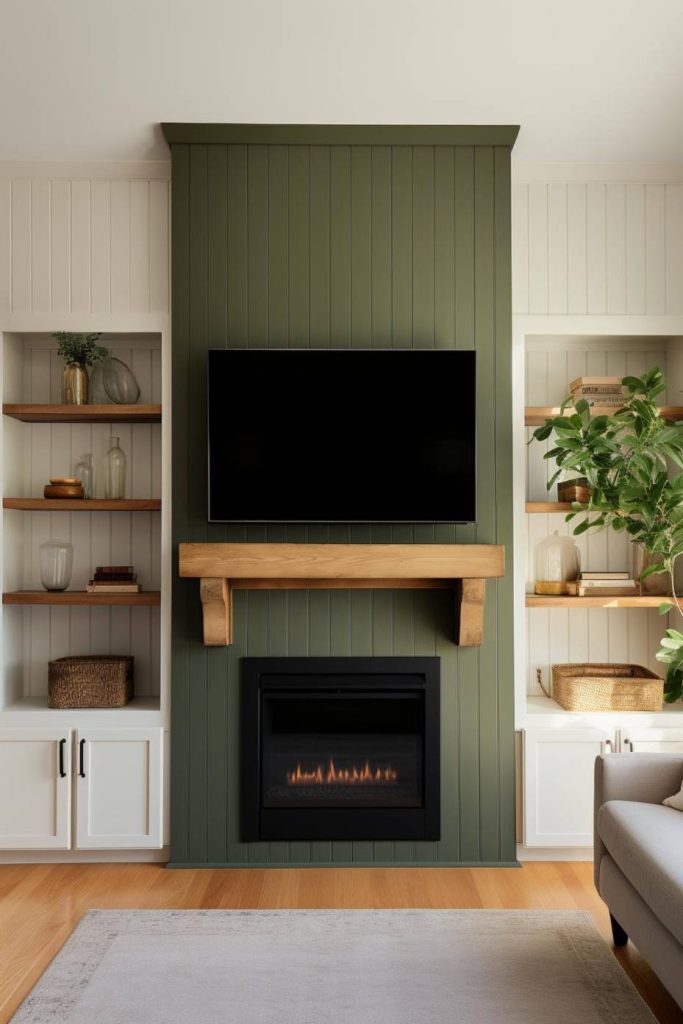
(334, 967)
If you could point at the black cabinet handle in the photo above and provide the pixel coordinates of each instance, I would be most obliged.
(62, 773)
(81, 759)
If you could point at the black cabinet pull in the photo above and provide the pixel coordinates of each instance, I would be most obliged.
(81, 760)
(62, 773)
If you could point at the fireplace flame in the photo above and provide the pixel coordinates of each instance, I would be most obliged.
(331, 775)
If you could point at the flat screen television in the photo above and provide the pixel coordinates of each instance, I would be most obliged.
(341, 435)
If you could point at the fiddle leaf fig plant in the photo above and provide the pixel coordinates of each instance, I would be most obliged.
(633, 462)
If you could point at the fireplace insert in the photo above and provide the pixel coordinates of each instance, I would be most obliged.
(340, 748)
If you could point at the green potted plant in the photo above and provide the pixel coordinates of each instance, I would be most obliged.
(626, 457)
(78, 352)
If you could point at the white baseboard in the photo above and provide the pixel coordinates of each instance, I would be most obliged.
(554, 853)
(85, 856)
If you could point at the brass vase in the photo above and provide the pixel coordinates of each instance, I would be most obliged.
(75, 384)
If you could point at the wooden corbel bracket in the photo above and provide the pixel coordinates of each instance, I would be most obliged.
(222, 568)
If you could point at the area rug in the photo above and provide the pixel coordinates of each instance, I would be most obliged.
(334, 967)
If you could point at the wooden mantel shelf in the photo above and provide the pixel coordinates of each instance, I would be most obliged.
(222, 568)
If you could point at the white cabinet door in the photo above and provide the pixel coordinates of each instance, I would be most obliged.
(558, 784)
(35, 789)
(652, 741)
(119, 800)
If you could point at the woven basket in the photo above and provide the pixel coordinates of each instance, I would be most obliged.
(607, 688)
(93, 681)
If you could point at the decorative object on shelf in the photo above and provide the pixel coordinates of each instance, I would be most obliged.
(115, 472)
(598, 390)
(91, 681)
(606, 687)
(604, 584)
(558, 563)
(625, 457)
(98, 396)
(78, 352)
(659, 583)
(576, 489)
(119, 382)
(64, 487)
(56, 560)
(85, 473)
(114, 579)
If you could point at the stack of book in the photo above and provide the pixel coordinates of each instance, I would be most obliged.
(605, 584)
(598, 390)
(114, 579)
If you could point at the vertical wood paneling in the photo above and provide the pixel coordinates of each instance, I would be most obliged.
(60, 246)
(80, 246)
(557, 248)
(120, 246)
(655, 248)
(674, 248)
(615, 242)
(100, 227)
(538, 248)
(520, 248)
(40, 245)
(635, 249)
(139, 247)
(596, 251)
(5, 244)
(576, 249)
(21, 245)
(340, 245)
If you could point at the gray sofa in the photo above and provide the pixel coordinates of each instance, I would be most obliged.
(639, 857)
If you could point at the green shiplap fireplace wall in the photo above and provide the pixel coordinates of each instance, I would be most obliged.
(362, 237)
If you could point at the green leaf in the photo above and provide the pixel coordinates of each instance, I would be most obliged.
(665, 608)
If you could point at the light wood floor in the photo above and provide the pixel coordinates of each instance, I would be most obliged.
(41, 904)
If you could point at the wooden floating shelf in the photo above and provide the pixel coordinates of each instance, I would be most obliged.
(222, 568)
(548, 506)
(536, 415)
(83, 504)
(146, 598)
(644, 601)
(84, 413)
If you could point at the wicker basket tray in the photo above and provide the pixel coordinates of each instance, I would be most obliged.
(607, 688)
(92, 681)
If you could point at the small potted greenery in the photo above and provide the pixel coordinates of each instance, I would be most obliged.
(627, 459)
(78, 352)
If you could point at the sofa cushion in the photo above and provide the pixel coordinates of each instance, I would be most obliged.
(646, 842)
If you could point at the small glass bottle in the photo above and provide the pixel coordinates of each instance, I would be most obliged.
(115, 475)
(84, 472)
(56, 560)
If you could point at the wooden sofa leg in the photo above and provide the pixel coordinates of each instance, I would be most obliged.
(618, 934)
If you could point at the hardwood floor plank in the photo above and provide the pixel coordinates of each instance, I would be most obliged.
(40, 904)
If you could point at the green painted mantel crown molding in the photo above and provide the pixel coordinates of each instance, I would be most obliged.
(341, 134)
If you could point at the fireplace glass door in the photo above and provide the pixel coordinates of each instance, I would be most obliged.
(347, 749)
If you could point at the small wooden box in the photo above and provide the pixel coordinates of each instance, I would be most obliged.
(574, 490)
(90, 681)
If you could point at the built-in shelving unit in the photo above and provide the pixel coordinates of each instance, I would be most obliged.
(143, 599)
(55, 413)
(43, 438)
(539, 507)
(83, 504)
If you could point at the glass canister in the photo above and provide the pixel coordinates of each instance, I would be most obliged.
(84, 472)
(115, 471)
(56, 560)
(557, 563)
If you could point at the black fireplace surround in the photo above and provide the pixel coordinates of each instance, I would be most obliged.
(340, 748)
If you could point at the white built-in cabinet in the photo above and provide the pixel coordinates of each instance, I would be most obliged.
(83, 789)
(35, 789)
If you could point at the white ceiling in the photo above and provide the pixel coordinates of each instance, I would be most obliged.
(588, 80)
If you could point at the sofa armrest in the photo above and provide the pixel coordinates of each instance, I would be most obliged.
(643, 778)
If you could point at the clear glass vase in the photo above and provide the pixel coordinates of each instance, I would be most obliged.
(84, 472)
(56, 561)
(115, 472)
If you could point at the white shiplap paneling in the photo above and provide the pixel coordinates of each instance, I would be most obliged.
(84, 245)
(597, 247)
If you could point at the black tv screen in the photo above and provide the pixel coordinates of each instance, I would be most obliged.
(341, 435)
